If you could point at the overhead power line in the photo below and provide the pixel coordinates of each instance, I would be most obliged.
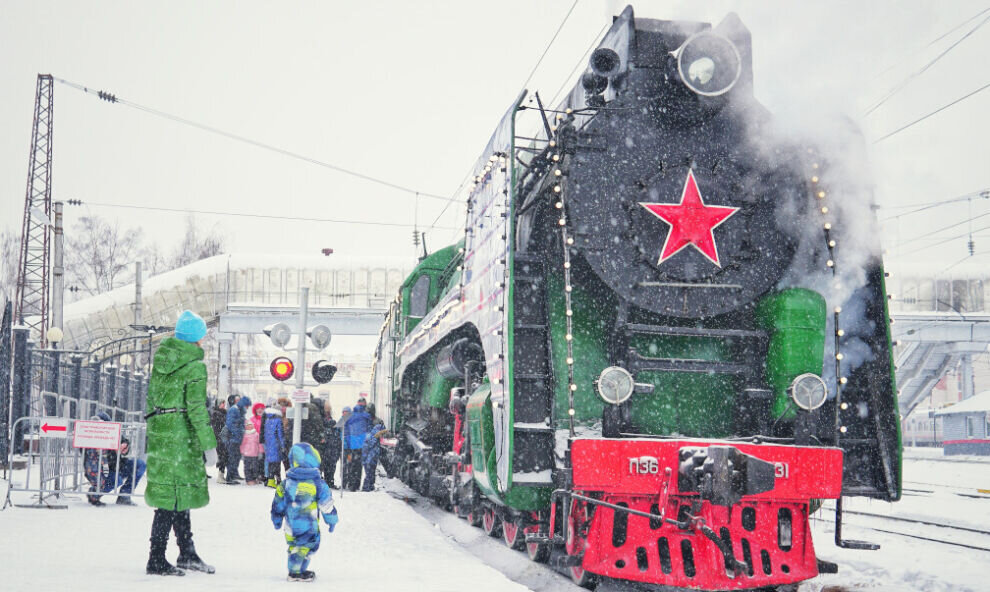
(528, 78)
(549, 45)
(934, 41)
(924, 117)
(249, 215)
(582, 61)
(921, 207)
(900, 86)
(111, 98)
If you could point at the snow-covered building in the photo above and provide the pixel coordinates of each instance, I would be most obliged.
(209, 285)
(966, 426)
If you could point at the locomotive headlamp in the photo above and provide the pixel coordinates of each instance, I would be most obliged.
(808, 391)
(615, 385)
(709, 64)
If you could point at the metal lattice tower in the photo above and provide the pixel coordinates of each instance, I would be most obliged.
(33, 270)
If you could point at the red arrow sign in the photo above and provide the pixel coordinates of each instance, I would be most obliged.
(52, 428)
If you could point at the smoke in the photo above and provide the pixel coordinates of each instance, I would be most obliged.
(826, 205)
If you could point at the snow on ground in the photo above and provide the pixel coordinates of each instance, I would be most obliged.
(380, 544)
(385, 543)
(937, 489)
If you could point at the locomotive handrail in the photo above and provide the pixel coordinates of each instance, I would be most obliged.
(737, 566)
(618, 508)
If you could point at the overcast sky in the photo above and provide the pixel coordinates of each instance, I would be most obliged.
(409, 92)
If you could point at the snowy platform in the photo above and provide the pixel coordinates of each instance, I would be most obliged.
(386, 543)
(381, 543)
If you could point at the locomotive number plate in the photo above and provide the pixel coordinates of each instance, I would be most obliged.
(644, 465)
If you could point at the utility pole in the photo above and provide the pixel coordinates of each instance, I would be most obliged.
(301, 357)
(58, 270)
(137, 293)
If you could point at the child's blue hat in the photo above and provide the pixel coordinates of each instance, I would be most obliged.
(190, 327)
(304, 455)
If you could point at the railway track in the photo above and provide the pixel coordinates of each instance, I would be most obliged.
(922, 529)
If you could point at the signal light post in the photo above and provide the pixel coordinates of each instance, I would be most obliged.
(301, 357)
(282, 368)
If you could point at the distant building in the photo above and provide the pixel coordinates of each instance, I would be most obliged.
(966, 426)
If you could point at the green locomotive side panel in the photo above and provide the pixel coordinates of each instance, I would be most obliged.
(795, 319)
(682, 403)
(419, 295)
(436, 388)
(527, 498)
(481, 429)
(893, 387)
(589, 346)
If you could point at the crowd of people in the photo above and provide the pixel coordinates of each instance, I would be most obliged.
(260, 435)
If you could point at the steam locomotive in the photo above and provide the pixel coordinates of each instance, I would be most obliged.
(663, 337)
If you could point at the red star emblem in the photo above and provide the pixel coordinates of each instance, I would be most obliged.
(691, 222)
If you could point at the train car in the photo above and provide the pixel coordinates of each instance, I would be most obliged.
(922, 428)
(663, 335)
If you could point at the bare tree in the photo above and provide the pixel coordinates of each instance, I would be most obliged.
(197, 244)
(99, 254)
(155, 260)
(10, 244)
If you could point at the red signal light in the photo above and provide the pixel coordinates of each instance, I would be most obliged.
(281, 368)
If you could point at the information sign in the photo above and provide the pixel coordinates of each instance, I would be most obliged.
(104, 435)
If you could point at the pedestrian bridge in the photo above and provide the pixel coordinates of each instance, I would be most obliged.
(211, 287)
(931, 343)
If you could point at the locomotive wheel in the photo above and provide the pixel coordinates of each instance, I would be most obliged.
(490, 523)
(581, 577)
(474, 518)
(575, 546)
(513, 535)
(537, 552)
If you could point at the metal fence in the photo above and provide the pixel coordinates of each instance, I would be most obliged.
(42, 385)
(54, 467)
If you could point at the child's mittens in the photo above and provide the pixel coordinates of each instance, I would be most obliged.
(277, 522)
(332, 522)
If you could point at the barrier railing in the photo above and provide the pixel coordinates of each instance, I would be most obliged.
(55, 467)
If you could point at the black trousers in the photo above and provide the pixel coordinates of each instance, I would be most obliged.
(329, 459)
(164, 522)
(221, 458)
(352, 469)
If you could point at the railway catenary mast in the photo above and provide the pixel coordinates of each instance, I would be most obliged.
(31, 299)
(664, 333)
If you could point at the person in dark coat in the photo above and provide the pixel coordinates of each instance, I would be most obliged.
(235, 434)
(312, 425)
(218, 417)
(370, 453)
(273, 439)
(179, 435)
(124, 471)
(92, 466)
(356, 428)
(332, 450)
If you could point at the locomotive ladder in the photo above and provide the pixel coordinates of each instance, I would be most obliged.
(533, 434)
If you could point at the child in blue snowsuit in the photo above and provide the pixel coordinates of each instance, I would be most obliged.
(370, 452)
(296, 502)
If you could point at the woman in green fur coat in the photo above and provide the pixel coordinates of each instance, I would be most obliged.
(179, 434)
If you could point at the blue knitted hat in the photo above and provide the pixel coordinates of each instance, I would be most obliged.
(190, 327)
(303, 455)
